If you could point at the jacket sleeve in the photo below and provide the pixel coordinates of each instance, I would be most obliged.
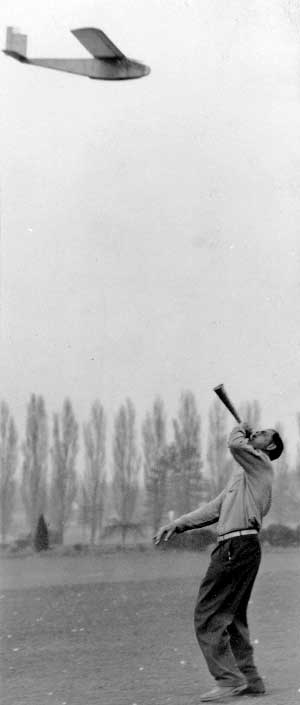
(203, 516)
(249, 458)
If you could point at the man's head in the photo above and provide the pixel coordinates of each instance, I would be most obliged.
(269, 441)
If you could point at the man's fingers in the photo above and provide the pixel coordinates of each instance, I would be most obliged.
(169, 534)
(164, 533)
(158, 537)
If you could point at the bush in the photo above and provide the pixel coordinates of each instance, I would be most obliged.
(82, 547)
(297, 532)
(195, 540)
(22, 542)
(280, 535)
(15, 551)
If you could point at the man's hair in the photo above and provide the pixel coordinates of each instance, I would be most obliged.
(276, 452)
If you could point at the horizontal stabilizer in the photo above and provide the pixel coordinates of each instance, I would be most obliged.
(97, 43)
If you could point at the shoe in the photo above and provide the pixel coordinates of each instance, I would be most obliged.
(220, 695)
(255, 688)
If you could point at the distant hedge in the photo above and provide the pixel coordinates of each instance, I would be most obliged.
(280, 535)
(199, 539)
(195, 540)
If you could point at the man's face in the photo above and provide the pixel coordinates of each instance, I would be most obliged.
(261, 439)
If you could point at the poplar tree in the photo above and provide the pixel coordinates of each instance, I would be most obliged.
(35, 456)
(286, 495)
(126, 471)
(93, 482)
(187, 447)
(250, 412)
(63, 455)
(155, 462)
(219, 461)
(295, 478)
(8, 466)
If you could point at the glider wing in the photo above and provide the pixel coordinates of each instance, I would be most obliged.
(97, 43)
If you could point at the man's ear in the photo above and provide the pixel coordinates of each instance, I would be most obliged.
(271, 446)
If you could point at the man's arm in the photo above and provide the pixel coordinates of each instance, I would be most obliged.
(203, 516)
(249, 458)
(239, 436)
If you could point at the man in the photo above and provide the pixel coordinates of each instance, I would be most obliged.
(221, 609)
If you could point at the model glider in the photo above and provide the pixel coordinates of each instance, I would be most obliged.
(108, 62)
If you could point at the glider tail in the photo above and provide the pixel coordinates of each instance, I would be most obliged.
(16, 44)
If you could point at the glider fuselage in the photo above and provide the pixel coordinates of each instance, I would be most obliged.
(105, 69)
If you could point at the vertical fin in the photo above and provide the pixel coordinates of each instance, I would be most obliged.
(16, 43)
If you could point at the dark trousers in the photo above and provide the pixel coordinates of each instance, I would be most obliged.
(221, 611)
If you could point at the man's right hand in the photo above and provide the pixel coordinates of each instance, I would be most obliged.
(247, 428)
(165, 533)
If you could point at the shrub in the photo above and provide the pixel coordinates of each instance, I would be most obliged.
(41, 538)
(22, 542)
(297, 532)
(14, 550)
(81, 547)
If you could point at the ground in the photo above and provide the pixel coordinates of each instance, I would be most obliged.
(118, 629)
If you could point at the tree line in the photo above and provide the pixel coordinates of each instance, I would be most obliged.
(148, 478)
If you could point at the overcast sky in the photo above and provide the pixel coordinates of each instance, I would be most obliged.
(150, 228)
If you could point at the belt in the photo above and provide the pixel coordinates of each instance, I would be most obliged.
(232, 534)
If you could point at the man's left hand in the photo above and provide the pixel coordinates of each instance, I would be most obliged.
(164, 533)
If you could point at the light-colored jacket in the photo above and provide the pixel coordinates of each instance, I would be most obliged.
(247, 497)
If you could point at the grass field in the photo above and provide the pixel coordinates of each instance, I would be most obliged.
(118, 629)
